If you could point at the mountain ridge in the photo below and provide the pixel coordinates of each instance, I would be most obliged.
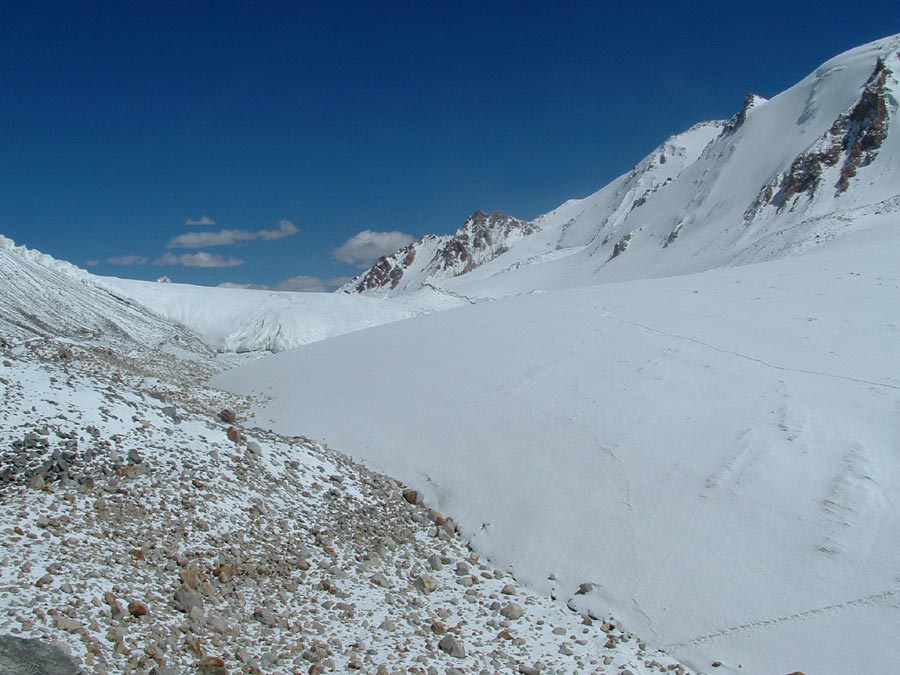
(706, 196)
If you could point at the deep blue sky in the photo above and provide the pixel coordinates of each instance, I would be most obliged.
(120, 121)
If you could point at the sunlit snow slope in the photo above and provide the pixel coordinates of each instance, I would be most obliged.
(239, 320)
(716, 452)
(780, 177)
(45, 297)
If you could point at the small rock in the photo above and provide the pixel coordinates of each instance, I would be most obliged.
(212, 665)
(452, 646)
(425, 584)
(234, 434)
(512, 611)
(379, 580)
(186, 599)
(584, 589)
(412, 496)
(509, 589)
(227, 415)
(67, 624)
(265, 617)
(137, 609)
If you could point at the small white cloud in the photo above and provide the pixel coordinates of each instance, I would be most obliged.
(366, 247)
(227, 237)
(91, 263)
(202, 220)
(127, 260)
(201, 259)
(285, 229)
(251, 287)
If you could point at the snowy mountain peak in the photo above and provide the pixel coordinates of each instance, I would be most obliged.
(779, 177)
(851, 143)
(483, 237)
(751, 101)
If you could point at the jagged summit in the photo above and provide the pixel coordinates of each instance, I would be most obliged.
(750, 101)
(483, 237)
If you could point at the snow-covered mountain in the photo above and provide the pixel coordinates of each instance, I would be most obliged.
(680, 407)
(780, 177)
(483, 237)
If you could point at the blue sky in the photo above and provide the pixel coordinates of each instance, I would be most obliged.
(283, 130)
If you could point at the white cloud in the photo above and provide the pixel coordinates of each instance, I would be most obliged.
(201, 259)
(252, 287)
(366, 247)
(202, 220)
(226, 237)
(91, 263)
(127, 260)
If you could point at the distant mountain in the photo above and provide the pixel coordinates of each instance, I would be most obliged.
(780, 177)
(483, 237)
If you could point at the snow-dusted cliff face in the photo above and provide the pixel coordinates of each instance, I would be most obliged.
(41, 297)
(780, 177)
(483, 237)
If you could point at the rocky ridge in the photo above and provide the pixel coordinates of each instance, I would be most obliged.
(483, 237)
(853, 141)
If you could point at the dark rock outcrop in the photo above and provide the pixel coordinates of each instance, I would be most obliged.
(22, 656)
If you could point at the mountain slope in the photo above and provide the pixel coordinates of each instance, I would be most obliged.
(759, 186)
(707, 451)
(432, 258)
(46, 298)
(728, 480)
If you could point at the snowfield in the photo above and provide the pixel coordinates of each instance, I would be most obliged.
(716, 453)
(242, 320)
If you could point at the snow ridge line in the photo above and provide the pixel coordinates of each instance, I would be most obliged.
(799, 616)
(453, 294)
(754, 359)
